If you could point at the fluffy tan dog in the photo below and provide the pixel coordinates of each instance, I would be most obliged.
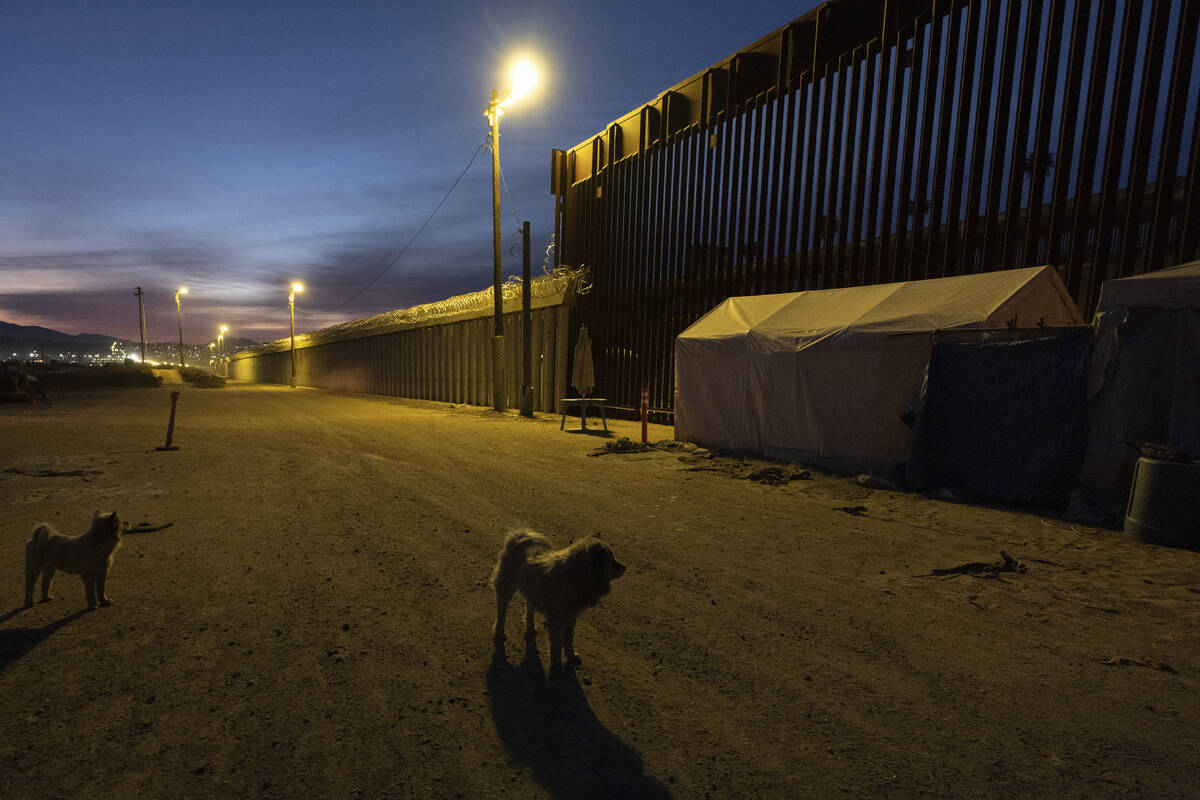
(558, 584)
(89, 556)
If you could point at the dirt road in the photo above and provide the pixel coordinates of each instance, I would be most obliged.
(316, 621)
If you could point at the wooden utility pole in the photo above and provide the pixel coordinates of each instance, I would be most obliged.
(141, 321)
(526, 327)
(499, 387)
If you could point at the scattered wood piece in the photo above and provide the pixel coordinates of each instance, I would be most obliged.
(854, 511)
(148, 527)
(979, 569)
(1043, 561)
(53, 473)
(1120, 661)
(778, 476)
(622, 445)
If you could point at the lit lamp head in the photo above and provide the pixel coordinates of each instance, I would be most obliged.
(181, 290)
(524, 80)
(296, 287)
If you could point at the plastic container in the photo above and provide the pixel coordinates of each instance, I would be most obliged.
(1164, 503)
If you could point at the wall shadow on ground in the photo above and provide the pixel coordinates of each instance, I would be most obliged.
(16, 643)
(548, 725)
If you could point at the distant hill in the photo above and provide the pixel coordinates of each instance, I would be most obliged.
(36, 333)
(24, 339)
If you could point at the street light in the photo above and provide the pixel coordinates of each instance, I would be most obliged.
(179, 312)
(296, 287)
(524, 79)
(221, 341)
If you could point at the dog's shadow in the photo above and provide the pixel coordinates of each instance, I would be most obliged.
(15, 643)
(548, 725)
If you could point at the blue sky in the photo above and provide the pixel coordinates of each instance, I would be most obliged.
(234, 147)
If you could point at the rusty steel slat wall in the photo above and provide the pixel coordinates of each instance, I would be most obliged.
(449, 362)
(870, 142)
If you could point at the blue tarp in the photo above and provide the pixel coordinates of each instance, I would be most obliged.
(1005, 419)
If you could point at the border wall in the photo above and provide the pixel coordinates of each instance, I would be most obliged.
(873, 141)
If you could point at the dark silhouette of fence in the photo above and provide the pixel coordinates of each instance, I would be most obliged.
(871, 141)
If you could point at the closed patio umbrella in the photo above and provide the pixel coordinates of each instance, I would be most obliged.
(583, 373)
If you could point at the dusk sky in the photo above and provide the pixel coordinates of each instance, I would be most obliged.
(235, 147)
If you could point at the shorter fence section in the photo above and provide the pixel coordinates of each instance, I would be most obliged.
(445, 355)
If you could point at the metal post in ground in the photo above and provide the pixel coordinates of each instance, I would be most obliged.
(171, 423)
(645, 411)
(526, 328)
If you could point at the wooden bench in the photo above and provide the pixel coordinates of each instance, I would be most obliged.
(583, 404)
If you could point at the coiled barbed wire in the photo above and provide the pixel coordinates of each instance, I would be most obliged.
(564, 281)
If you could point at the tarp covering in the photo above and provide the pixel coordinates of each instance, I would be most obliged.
(1146, 372)
(825, 376)
(1004, 419)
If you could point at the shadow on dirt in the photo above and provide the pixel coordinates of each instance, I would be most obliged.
(15, 643)
(548, 725)
(597, 432)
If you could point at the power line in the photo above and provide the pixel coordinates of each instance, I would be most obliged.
(511, 204)
(516, 235)
(437, 208)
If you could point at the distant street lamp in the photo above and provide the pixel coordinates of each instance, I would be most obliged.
(296, 287)
(211, 354)
(179, 313)
(524, 79)
(221, 339)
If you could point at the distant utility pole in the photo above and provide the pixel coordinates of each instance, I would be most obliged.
(141, 321)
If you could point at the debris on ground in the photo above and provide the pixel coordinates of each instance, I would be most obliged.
(979, 569)
(778, 476)
(1081, 508)
(622, 445)
(700, 459)
(854, 511)
(627, 445)
(691, 448)
(1114, 661)
(148, 527)
(736, 468)
(875, 480)
(53, 473)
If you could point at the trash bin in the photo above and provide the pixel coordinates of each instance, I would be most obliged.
(1163, 503)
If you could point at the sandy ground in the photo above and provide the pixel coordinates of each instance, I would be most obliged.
(316, 622)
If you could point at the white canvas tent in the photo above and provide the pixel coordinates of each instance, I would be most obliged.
(1175, 287)
(1146, 374)
(825, 376)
